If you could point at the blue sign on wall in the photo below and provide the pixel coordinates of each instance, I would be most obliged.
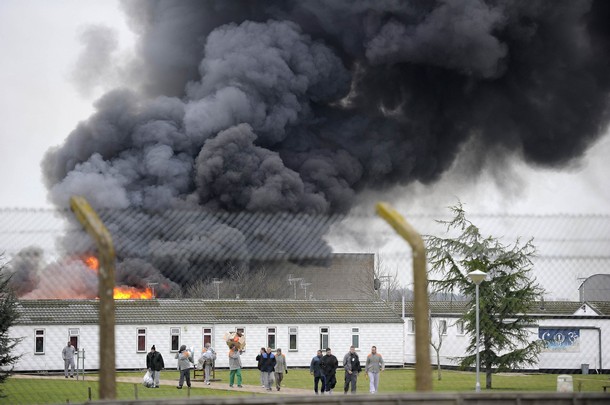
(560, 340)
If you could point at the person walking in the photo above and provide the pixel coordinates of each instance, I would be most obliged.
(154, 364)
(208, 356)
(259, 360)
(280, 368)
(234, 366)
(315, 369)
(185, 364)
(267, 366)
(68, 355)
(329, 367)
(351, 364)
(374, 366)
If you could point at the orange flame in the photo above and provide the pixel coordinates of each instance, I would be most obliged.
(127, 293)
(122, 292)
(92, 262)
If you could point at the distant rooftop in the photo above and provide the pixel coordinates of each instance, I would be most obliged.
(538, 309)
(199, 311)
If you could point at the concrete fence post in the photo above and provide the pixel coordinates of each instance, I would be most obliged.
(100, 234)
(423, 373)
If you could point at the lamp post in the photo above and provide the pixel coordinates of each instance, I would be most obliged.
(477, 278)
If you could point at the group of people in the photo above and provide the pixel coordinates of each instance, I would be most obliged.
(155, 363)
(272, 367)
(324, 370)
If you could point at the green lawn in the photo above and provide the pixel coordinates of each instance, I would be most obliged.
(37, 391)
(52, 391)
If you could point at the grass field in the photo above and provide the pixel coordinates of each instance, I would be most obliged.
(51, 391)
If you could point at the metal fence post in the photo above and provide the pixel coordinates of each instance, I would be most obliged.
(95, 227)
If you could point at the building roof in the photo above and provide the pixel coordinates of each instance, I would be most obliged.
(199, 311)
(539, 309)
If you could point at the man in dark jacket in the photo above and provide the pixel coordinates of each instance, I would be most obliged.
(315, 369)
(154, 364)
(259, 359)
(329, 367)
(267, 368)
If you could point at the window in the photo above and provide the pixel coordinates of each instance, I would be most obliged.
(410, 326)
(323, 338)
(174, 339)
(460, 327)
(271, 338)
(207, 336)
(73, 333)
(356, 337)
(141, 340)
(39, 341)
(442, 327)
(293, 332)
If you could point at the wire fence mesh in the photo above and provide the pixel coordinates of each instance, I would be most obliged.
(302, 282)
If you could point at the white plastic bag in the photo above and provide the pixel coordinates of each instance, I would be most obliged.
(147, 381)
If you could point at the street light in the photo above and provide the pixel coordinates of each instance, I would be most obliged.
(477, 278)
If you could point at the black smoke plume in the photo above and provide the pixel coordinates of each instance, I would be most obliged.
(297, 106)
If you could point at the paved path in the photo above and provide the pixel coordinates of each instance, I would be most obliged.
(195, 384)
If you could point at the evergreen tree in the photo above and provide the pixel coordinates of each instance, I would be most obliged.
(504, 296)
(8, 316)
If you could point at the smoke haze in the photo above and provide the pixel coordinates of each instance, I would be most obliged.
(300, 106)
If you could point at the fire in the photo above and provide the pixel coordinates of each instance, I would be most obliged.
(92, 262)
(127, 293)
(122, 292)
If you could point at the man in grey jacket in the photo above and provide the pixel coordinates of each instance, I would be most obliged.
(280, 368)
(207, 361)
(185, 363)
(374, 366)
(68, 355)
(351, 364)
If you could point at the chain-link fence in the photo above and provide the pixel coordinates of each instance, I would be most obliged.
(298, 282)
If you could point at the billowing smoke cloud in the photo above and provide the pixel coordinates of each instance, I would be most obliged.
(93, 65)
(24, 270)
(296, 106)
(69, 278)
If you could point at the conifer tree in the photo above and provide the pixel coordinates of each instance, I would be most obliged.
(8, 316)
(505, 296)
